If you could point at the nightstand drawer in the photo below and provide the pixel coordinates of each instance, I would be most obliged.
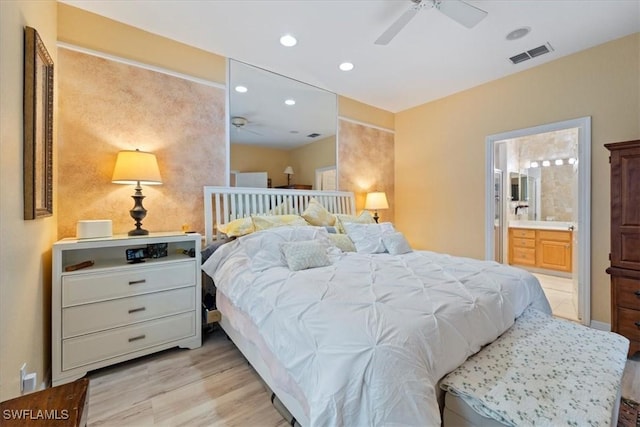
(94, 287)
(91, 348)
(629, 323)
(83, 319)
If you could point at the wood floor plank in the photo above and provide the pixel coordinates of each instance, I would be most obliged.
(209, 386)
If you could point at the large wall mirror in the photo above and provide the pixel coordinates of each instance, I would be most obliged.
(278, 124)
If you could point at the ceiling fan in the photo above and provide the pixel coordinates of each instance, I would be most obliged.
(458, 10)
(240, 124)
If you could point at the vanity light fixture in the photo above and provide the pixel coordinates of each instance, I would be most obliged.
(290, 101)
(546, 163)
(241, 89)
(571, 161)
(346, 66)
(534, 164)
(558, 162)
(288, 40)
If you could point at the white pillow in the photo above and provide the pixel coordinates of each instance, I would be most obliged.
(305, 254)
(368, 237)
(263, 247)
(395, 243)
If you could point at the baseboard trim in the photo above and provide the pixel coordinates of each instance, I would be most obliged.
(601, 326)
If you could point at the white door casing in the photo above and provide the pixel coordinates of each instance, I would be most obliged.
(582, 268)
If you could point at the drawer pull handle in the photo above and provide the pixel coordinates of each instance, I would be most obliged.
(135, 310)
(137, 282)
(139, 337)
(637, 293)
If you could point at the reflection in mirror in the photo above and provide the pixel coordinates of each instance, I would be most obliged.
(276, 122)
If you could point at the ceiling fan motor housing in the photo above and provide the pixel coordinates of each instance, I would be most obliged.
(238, 121)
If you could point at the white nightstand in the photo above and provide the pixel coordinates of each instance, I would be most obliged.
(114, 311)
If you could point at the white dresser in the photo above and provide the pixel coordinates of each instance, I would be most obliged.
(113, 310)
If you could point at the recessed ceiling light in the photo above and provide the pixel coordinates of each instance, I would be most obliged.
(288, 40)
(241, 89)
(290, 101)
(518, 33)
(346, 66)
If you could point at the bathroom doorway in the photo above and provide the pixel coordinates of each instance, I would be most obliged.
(538, 209)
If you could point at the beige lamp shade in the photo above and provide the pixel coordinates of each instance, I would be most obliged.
(136, 166)
(288, 170)
(376, 200)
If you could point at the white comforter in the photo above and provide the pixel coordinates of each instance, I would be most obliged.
(367, 338)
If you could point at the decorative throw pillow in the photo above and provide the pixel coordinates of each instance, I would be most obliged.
(368, 237)
(263, 248)
(342, 242)
(305, 254)
(364, 218)
(264, 222)
(395, 243)
(316, 214)
(237, 227)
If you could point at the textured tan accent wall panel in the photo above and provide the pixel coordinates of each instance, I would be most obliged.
(366, 163)
(107, 106)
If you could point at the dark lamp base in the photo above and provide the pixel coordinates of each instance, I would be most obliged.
(139, 232)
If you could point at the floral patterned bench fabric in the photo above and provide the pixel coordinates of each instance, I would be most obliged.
(544, 372)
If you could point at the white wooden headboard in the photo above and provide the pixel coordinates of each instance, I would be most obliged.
(224, 204)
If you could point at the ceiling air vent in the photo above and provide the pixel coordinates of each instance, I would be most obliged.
(536, 51)
(313, 135)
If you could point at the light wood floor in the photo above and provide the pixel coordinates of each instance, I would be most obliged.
(209, 386)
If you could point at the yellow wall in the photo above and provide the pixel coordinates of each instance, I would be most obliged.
(249, 158)
(25, 246)
(440, 148)
(306, 159)
(91, 31)
(364, 113)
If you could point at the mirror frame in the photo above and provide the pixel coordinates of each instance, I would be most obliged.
(37, 127)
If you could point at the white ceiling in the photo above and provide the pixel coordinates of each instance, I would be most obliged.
(432, 57)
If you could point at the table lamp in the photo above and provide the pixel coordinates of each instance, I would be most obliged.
(289, 171)
(374, 201)
(137, 167)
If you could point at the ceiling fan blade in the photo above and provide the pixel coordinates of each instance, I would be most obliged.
(461, 12)
(395, 28)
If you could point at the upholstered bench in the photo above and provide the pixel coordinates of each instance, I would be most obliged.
(542, 371)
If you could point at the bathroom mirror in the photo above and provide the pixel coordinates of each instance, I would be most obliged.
(276, 122)
(518, 187)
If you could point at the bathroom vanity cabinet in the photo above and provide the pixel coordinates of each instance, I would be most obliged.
(548, 249)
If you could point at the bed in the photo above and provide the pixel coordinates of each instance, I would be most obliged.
(365, 339)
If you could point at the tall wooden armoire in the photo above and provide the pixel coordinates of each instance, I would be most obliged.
(625, 241)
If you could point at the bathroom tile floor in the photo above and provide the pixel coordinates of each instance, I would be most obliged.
(559, 292)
